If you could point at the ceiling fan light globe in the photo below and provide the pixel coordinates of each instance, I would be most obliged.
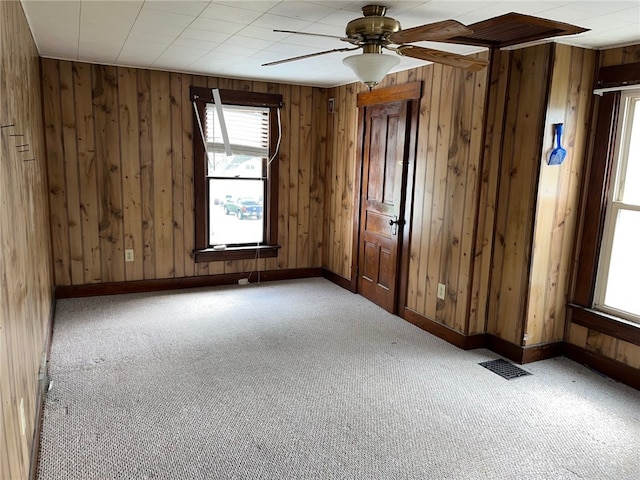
(371, 68)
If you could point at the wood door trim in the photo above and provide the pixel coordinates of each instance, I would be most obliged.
(405, 92)
(397, 93)
(411, 135)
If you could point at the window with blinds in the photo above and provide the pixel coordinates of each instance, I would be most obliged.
(248, 136)
(236, 173)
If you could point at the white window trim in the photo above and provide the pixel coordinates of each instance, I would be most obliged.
(615, 205)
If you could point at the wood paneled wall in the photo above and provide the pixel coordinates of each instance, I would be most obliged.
(25, 254)
(445, 206)
(119, 142)
(558, 196)
(590, 339)
(535, 207)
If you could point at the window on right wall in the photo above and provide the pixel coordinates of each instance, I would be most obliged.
(616, 289)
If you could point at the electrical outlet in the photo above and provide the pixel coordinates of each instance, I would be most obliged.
(243, 281)
(442, 291)
(128, 255)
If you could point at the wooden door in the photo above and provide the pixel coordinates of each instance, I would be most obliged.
(384, 179)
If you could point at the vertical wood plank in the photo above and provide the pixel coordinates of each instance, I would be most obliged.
(187, 177)
(206, 268)
(69, 134)
(56, 174)
(162, 174)
(305, 166)
(435, 306)
(87, 169)
(477, 99)
(178, 212)
(294, 161)
(146, 173)
(416, 282)
(347, 199)
(284, 182)
(427, 304)
(107, 136)
(130, 150)
(499, 78)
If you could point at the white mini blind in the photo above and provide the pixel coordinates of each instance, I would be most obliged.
(248, 129)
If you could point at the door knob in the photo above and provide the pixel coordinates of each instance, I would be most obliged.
(394, 222)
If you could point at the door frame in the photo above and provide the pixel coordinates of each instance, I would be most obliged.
(411, 93)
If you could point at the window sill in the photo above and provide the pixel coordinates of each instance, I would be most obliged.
(236, 253)
(605, 323)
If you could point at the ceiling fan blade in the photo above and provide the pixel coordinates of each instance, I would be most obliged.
(302, 57)
(446, 58)
(433, 31)
(344, 39)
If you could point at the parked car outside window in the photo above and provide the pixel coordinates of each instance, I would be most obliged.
(243, 208)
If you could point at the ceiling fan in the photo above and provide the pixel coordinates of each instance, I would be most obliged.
(374, 32)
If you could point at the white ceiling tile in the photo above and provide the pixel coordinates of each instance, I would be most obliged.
(219, 26)
(135, 60)
(261, 33)
(278, 21)
(154, 37)
(65, 11)
(234, 50)
(91, 30)
(206, 35)
(247, 42)
(339, 18)
(193, 43)
(321, 43)
(303, 10)
(568, 14)
(184, 7)
(325, 29)
(161, 18)
(216, 58)
(151, 28)
(143, 48)
(604, 23)
(233, 14)
(259, 6)
(629, 14)
(192, 54)
(113, 13)
(290, 49)
(600, 8)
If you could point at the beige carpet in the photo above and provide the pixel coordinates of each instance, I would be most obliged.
(304, 380)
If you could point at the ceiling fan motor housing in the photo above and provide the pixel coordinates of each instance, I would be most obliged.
(373, 29)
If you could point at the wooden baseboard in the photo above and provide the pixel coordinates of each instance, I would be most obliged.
(338, 280)
(611, 368)
(115, 288)
(521, 355)
(542, 351)
(43, 384)
(466, 342)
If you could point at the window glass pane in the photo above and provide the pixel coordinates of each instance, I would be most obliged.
(631, 190)
(622, 283)
(236, 211)
(248, 135)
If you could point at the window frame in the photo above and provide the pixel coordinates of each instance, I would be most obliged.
(203, 252)
(614, 203)
(595, 192)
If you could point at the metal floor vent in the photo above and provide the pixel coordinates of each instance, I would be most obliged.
(504, 369)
